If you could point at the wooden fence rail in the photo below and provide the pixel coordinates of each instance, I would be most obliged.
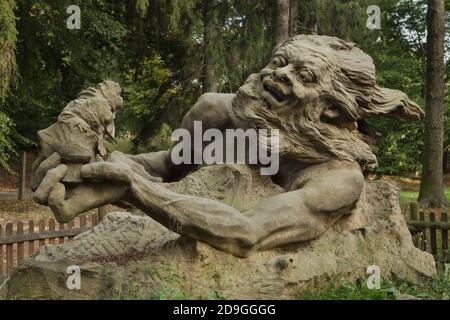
(16, 244)
(429, 231)
(430, 234)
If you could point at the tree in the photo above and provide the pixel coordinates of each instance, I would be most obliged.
(293, 17)
(8, 68)
(282, 20)
(209, 33)
(8, 38)
(431, 187)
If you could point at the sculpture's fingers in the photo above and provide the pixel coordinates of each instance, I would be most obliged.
(119, 157)
(37, 162)
(51, 162)
(106, 171)
(56, 201)
(52, 177)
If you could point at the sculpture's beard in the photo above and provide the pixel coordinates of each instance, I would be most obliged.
(304, 136)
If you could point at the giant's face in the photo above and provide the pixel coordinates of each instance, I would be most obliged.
(294, 77)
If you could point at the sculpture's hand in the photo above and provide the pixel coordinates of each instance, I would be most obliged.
(45, 175)
(103, 183)
(67, 202)
(83, 126)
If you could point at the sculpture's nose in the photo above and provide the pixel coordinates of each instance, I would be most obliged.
(282, 75)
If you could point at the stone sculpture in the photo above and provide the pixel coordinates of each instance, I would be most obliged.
(317, 91)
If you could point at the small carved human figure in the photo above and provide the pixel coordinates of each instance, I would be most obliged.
(317, 91)
(78, 135)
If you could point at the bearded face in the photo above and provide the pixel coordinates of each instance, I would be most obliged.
(291, 80)
(316, 90)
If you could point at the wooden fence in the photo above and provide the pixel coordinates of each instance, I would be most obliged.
(19, 240)
(430, 231)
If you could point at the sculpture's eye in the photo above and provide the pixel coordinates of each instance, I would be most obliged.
(305, 76)
(278, 62)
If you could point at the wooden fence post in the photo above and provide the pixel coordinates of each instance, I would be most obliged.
(94, 219)
(83, 221)
(51, 227)
(30, 231)
(444, 233)
(61, 228)
(9, 248)
(102, 212)
(23, 176)
(41, 229)
(70, 225)
(433, 244)
(413, 215)
(1, 251)
(423, 245)
(19, 231)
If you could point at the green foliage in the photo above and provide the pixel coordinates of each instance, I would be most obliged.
(6, 145)
(120, 144)
(148, 94)
(55, 63)
(349, 291)
(436, 288)
(8, 68)
(8, 38)
(399, 55)
(406, 197)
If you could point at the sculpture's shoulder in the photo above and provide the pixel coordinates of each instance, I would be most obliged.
(214, 110)
(216, 99)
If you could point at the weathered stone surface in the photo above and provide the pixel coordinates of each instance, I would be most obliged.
(128, 256)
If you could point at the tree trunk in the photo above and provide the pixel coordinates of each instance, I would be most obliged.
(209, 33)
(282, 21)
(432, 187)
(293, 17)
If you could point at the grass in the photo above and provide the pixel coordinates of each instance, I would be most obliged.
(410, 196)
(437, 288)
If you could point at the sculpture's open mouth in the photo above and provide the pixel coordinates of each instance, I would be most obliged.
(276, 95)
(275, 92)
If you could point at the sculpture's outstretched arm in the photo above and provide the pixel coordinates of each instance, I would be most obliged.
(293, 216)
(214, 110)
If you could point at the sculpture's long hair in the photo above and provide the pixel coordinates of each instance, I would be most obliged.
(333, 126)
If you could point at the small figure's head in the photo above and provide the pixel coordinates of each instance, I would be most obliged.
(104, 117)
(111, 91)
(108, 89)
(317, 90)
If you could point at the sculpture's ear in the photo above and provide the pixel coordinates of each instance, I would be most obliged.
(393, 103)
